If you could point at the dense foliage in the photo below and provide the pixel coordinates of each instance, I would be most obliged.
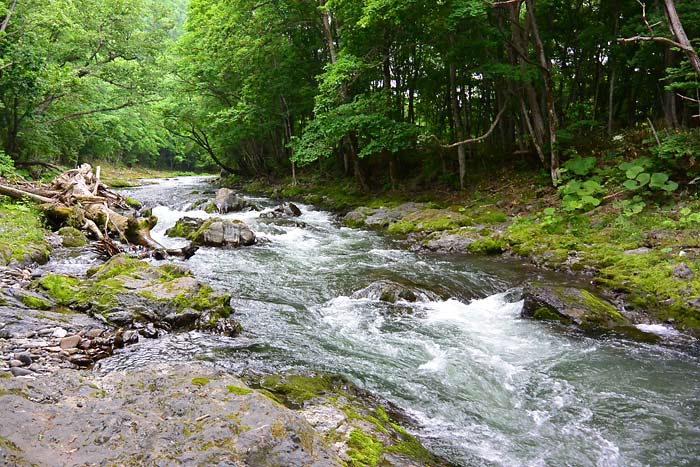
(381, 90)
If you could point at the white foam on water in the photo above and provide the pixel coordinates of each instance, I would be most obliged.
(658, 329)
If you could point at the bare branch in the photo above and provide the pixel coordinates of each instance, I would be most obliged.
(472, 140)
(664, 40)
(6, 21)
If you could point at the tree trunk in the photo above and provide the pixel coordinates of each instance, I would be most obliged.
(674, 22)
(548, 91)
(458, 127)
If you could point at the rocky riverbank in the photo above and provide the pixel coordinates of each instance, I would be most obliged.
(60, 410)
(191, 414)
(646, 267)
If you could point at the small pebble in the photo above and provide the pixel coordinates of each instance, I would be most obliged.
(16, 364)
(70, 342)
(21, 372)
(25, 358)
(60, 333)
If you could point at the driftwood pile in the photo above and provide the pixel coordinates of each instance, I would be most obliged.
(79, 199)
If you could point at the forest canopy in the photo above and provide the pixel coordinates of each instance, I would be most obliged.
(378, 90)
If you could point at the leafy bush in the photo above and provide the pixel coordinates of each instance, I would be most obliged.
(7, 165)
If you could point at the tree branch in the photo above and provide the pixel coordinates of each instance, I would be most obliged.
(664, 40)
(6, 21)
(75, 115)
(472, 140)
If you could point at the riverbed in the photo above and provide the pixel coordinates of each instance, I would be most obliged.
(483, 386)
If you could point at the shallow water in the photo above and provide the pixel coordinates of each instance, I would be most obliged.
(485, 387)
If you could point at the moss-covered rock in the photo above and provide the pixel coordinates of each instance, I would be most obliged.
(72, 237)
(351, 420)
(125, 290)
(185, 227)
(22, 235)
(571, 306)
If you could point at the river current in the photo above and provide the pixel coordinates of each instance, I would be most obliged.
(485, 387)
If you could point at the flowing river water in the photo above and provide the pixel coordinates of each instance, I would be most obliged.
(485, 387)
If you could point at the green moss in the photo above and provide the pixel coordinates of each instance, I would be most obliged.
(600, 308)
(22, 235)
(72, 237)
(363, 450)
(200, 381)
(410, 447)
(35, 303)
(487, 246)
(120, 265)
(278, 430)
(238, 390)
(8, 445)
(132, 203)
(296, 389)
(545, 314)
(62, 289)
(488, 216)
(429, 220)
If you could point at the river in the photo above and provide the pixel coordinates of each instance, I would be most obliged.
(485, 387)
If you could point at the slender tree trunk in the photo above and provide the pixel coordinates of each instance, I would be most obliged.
(457, 118)
(328, 31)
(676, 26)
(548, 91)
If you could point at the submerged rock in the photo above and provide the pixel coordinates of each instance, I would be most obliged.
(392, 292)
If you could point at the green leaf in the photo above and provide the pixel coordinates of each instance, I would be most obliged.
(634, 171)
(658, 180)
(643, 178)
(631, 185)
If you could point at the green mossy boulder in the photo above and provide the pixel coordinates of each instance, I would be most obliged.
(125, 291)
(72, 237)
(22, 236)
(574, 306)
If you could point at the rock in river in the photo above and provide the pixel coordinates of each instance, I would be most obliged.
(579, 307)
(228, 201)
(392, 292)
(223, 232)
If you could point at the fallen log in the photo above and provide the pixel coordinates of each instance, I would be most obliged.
(78, 198)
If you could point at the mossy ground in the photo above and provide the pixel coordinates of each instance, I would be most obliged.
(22, 234)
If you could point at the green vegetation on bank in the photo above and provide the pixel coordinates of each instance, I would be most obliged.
(21, 234)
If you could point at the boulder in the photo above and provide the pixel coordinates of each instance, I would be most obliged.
(571, 305)
(223, 232)
(283, 210)
(72, 238)
(392, 292)
(184, 227)
(133, 294)
(227, 200)
(186, 414)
